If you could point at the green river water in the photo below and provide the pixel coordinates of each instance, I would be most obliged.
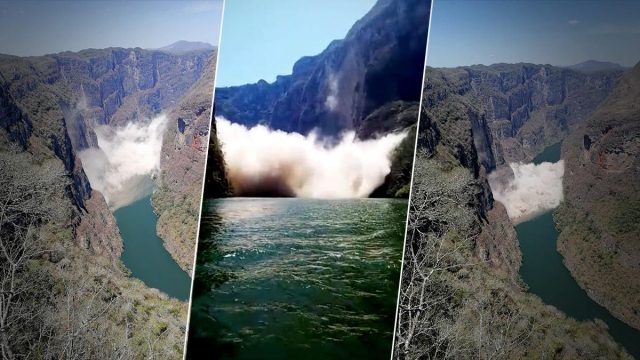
(144, 254)
(297, 278)
(544, 272)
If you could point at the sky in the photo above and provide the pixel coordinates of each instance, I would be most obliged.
(262, 39)
(46, 27)
(562, 33)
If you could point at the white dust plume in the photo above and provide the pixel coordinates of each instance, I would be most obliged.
(266, 162)
(530, 191)
(332, 99)
(127, 157)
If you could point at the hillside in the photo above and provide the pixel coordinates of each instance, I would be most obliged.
(182, 162)
(49, 106)
(184, 46)
(365, 82)
(600, 230)
(469, 302)
(593, 65)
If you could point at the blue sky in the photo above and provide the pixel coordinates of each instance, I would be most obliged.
(45, 27)
(561, 33)
(262, 39)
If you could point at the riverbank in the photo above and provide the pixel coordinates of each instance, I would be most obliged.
(144, 254)
(544, 272)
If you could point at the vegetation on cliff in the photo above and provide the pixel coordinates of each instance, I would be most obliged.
(460, 294)
(65, 292)
(59, 301)
(216, 182)
(178, 197)
(598, 220)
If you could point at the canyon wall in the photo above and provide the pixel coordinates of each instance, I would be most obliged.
(50, 104)
(598, 221)
(182, 164)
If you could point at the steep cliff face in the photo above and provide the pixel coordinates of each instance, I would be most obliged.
(50, 104)
(451, 133)
(380, 60)
(369, 82)
(388, 118)
(598, 220)
(516, 110)
(484, 117)
(461, 244)
(34, 120)
(107, 86)
(48, 107)
(16, 125)
(184, 147)
(116, 86)
(216, 184)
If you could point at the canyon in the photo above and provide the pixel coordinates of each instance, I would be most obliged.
(598, 221)
(50, 108)
(367, 82)
(483, 118)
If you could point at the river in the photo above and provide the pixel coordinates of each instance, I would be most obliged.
(144, 254)
(544, 272)
(297, 278)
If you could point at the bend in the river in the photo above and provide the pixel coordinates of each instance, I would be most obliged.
(544, 272)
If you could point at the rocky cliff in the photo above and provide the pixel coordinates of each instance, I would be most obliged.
(33, 99)
(485, 117)
(488, 116)
(381, 59)
(598, 221)
(49, 106)
(182, 168)
(116, 86)
(516, 110)
(475, 120)
(369, 82)
(216, 184)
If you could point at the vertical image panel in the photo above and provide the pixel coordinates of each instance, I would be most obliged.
(105, 111)
(522, 219)
(307, 181)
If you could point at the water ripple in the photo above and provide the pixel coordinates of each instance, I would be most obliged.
(311, 279)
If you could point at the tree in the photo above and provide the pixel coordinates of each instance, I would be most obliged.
(30, 196)
(438, 215)
(449, 307)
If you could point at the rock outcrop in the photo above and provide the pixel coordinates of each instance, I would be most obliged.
(182, 163)
(50, 105)
(598, 221)
(380, 60)
(368, 82)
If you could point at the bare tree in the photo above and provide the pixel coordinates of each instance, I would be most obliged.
(86, 302)
(438, 213)
(495, 323)
(29, 197)
(449, 308)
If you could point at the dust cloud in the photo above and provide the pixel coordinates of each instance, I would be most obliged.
(332, 99)
(265, 162)
(529, 190)
(122, 167)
